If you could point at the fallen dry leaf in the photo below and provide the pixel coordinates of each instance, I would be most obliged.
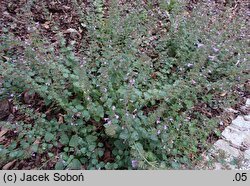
(3, 131)
(8, 165)
(2, 139)
(61, 119)
(223, 94)
(37, 141)
(46, 25)
(4, 109)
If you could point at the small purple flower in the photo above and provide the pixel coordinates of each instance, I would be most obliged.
(109, 122)
(193, 82)
(199, 45)
(158, 121)
(215, 49)
(165, 127)
(212, 58)
(190, 65)
(132, 81)
(158, 132)
(106, 119)
(134, 164)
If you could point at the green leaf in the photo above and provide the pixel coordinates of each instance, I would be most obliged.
(75, 164)
(91, 147)
(124, 135)
(74, 141)
(90, 139)
(100, 153)
(86, 115)
(94, 161)
(79, 107)
(175, 165)
(100, 111)
(110, 130)
(59, 165)
(64, 139)
(65, 75)
(135, 136)
(118, 144)
(48, 137)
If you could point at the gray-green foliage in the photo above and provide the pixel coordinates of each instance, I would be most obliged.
(147, 120)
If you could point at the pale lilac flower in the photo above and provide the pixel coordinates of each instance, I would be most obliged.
(132, 81)
(165, 127)
(113, 107)
(158, 121)
(158, 132)
(212, 58)
(134, 163)
(106, 119)
(215, 49)
(199, 45)
(193, 82)
(109, 123)
(190, 65)
(116, 116)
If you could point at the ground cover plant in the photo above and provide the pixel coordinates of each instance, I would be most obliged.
(117, 84)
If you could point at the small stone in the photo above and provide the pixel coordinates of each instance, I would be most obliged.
(248, 103)
(246, 142)
(232, 110)
(247, 117)
(235, 136)
(229, 150)
(247, 154)
(218, 166)
(241, 123)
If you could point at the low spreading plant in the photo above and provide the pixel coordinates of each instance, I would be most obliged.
(127, 99)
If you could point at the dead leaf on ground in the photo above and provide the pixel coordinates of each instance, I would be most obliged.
(46, 25)
(4, 109)
(37, 141)
(223, 94)
(2, 139)
(60, 119)
(3, 132)
(8, 165)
